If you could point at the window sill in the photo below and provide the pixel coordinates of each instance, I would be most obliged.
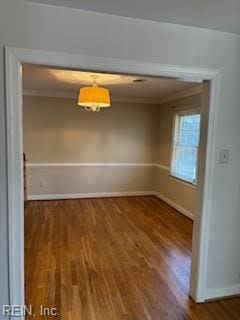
(188, 184)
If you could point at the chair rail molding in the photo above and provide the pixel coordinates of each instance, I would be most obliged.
(90, 164)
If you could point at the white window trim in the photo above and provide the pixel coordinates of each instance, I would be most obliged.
(181, 111)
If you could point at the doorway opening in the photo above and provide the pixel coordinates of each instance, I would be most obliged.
(144, 146)
(14, 58)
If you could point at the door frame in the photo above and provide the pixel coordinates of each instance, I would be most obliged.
(14, 57)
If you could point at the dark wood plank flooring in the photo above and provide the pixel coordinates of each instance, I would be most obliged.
(111, 259)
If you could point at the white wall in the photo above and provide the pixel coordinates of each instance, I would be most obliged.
(29, 25)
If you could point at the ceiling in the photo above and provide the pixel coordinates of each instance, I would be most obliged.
(45, 81)
(221, 15)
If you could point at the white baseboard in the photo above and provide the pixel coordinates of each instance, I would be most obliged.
(176, 206)
(223, 292)
(89, 195)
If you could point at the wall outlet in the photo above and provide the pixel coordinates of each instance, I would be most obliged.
(224, 156)
(43, 184)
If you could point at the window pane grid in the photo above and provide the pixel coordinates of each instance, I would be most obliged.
(185, 152)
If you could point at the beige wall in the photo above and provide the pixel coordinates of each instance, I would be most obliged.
(80, 181)
(181, 193)
(56, 131)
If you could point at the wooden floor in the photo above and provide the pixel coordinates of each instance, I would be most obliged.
(112, 259)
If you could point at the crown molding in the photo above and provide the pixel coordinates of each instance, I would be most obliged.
(69, 95)
(127, 99)
(48, 93)
(182, 94)
(138, 100)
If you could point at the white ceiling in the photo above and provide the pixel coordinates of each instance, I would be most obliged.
(221, 15)
(66, 83)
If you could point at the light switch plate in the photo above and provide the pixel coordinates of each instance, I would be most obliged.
(224, 156)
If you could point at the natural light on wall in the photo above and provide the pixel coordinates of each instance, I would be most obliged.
(185, 147)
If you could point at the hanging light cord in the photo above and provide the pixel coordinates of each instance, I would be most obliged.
(94, 83)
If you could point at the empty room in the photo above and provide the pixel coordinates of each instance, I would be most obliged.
(119, 159)
(111, 190)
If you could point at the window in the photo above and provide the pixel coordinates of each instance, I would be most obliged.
(185, 146)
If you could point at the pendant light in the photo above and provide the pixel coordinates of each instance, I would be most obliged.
(94, 98)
